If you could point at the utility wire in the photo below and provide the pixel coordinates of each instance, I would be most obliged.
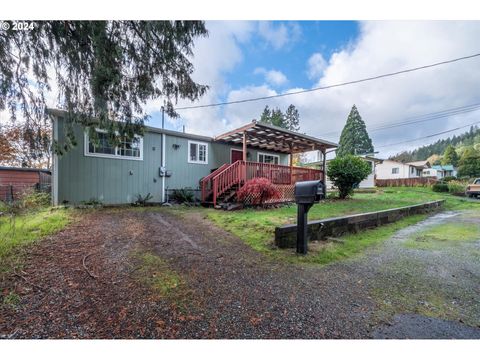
(419, 118)
(428, 136)
(330, 86)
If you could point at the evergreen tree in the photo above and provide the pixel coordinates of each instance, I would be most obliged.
(292, 118)
(278, 118)
(266, 115)
(469, 164)
(354, 139)
(450, 156)
(104, 70)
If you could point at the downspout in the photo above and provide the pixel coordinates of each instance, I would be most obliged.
(163, 166)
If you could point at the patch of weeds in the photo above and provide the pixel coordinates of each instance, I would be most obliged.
(12, 299)
(156, 274)
(444, 235)
(21, 230)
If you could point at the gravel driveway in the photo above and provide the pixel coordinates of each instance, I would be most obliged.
(229, 290)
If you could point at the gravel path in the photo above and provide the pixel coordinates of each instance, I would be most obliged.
(231, 291)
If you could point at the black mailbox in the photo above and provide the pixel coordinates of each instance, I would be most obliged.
(306, 194)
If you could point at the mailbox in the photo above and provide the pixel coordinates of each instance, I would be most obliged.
(306, 194)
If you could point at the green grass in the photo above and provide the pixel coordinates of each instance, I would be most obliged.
(256, 227)
(155, 272)
(19, 231)
(443, 235)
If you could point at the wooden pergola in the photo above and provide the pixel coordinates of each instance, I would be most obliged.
(268, 137)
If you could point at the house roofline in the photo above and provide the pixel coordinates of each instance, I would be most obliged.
(13, 168)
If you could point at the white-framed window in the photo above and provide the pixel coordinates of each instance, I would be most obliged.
(268, 158)
(197, 152)
(395, 170)
(131, 149)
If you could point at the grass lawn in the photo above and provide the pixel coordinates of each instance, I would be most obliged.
(256, 227)
(27, 228)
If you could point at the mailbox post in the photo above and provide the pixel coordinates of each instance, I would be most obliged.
(306, 194)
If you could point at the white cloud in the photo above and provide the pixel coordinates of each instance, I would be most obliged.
(279, 35)
(316, 66)
(384, 47)
(273, 77)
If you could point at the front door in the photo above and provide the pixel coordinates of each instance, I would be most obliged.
(236, 155)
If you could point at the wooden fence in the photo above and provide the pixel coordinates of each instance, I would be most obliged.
(420, 181)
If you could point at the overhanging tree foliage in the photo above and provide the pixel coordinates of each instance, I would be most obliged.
(104, 71)
(354, 139)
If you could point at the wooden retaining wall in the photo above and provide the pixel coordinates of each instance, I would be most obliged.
(286, 236)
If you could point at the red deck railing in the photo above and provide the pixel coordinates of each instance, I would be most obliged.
(206, 183)
(237, 173)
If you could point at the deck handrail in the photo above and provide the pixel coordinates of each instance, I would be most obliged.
(241, 171)
(206, 182)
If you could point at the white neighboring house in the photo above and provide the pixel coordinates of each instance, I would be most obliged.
(390, 169)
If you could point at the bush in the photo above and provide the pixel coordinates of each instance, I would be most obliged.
(440, 187)
(449, 178)
(181, 196)
(346, 172)
(257, 191)
(457, 187)
(36, 199)
(142, 200)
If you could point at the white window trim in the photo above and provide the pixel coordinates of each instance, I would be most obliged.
(274, 155)
(206, 152)
(110, 156)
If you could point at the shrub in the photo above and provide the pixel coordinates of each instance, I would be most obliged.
(440, 187)
(35, 199)
(457, 187)
(181, 196)
(142, 200)
(449, 178)
(257, 191)
(346, 172)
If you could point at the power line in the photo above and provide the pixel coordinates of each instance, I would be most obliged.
(428, 136)
(419, 118)
(330, 86)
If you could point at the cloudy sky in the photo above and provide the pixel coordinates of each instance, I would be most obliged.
(241, 60)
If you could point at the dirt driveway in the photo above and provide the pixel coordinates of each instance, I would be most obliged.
(218, 287)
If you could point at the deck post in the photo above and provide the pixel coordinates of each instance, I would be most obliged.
(291, 164)
(324, 176)
(244, 148)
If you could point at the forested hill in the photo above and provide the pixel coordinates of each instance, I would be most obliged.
(470, 138)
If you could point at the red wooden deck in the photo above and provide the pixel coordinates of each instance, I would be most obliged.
(235, 175)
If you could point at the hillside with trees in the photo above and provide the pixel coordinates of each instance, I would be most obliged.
(462, 151)
(460, 142)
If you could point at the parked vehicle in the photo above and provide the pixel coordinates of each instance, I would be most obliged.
(473, 189)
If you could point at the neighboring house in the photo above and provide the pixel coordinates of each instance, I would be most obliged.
(164, 160)
(13, 181)
(369, 182)
(440, 171)
(390, 169)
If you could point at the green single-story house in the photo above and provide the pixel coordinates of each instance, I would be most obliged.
(163, 160)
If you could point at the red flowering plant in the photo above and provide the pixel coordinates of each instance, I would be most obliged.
(257, 191)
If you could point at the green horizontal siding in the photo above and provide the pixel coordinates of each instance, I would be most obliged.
(119, 181)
